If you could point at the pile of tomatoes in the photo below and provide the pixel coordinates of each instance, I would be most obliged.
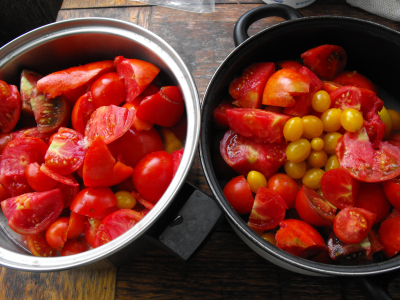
(318, 158)
(86, 152)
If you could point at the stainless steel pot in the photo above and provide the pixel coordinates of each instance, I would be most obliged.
(372, 49)
(174, 223)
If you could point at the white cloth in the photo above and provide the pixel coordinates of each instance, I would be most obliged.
(389, 9)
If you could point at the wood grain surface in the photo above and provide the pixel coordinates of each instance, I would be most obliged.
(225, 268)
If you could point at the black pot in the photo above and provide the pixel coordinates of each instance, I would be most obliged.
(372, 49)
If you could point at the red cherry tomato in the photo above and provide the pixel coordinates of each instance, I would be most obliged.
(82, 111)
(153, 174)
(354, 78)
(389, 236)
(56, 234)
(38, 180)
(238, 193)
(284, 186)
(108, 89)
(75, 246)
(38, 246)
(76, 226)
(392, 191)
(10, 107)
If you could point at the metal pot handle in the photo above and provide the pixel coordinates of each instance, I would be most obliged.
(376, 286)
(269, 10)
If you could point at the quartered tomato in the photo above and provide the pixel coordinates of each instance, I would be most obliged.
(109, 122)
(247, 89)
(219, 114)
(28, 82)
(32, 213)
(108, 89)
(75, 246)
(268, 210)
(38, 246)
(66, 151)
(283, 86)
(389, 236)
(245, 155)
(238, 193)
(326, 60)
(116, 224)
(37, 179)
(137, 75)
(10, 106)
(56, 234)
(392, 191)
(257, 124)
(299, 238)
(354, 78)
(288, 64)
(17, 155)
(82, 111)
(339, 187)
(354, 152)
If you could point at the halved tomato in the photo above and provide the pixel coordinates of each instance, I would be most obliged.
(38, 246)
(10, 106)
(354, 78)
(82, 111)
(28, 82)
(32, 213)
(257, 124)
(389, 236)
(247, 89)
(38, 180)
(238, 193)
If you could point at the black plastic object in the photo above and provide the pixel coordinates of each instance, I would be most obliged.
(184, 232)
(258, 13)
(376, 287)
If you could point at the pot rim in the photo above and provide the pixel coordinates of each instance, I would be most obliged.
(234, 219)
(171, 58)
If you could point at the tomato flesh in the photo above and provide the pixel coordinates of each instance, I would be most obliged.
(10, 107)
(28, 82)
(38, 246)
(82, 111)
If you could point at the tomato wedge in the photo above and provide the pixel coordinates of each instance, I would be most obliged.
(31, 132)
(67, 179)
(288, 64)
(219, 114)
(354, 78)
(10, 107)
(32, 213)
(28, 82)
(38, 246)
(82, 111)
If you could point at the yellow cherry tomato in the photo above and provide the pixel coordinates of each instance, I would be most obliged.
(317, 159)
(256, 180)
(321, 101)
(330, 142)
(331, 119)
(293, 129)
(387, 120)
(395, 116)
(125, 200)
(313, 127)
(312, 178)
(298, 151)
(170, 141)
(295, 170)
(269, 237)
(351, 120)
(317, 144)
(332, 163)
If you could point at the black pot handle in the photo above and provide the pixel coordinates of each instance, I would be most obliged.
(376, 286)
(269, 10)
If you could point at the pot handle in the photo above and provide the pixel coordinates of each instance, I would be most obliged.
(269, 10)
(376, 286)
(187, 224)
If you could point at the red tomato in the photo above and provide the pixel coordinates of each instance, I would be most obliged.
(268, 210)
(257, 124)
(28, 82)
(108, 172)
(91, 230)
(283, 85)
(66, 151)
(176, 159)
(10, 106)
(116, 224)
(247, 89)
(150, 90)
(109, 122)
(299, 238)
(38, 246)
(56, 234)
(33, 212)
(31, 132)
(219, 114)
(314, 209)
(134, 145)
(354, 152)
(5, 138)
(330, 86)
(108, 89)
(352, 224)
(284, 186)
(392, 191)
(138, 124)
(4, 194)
(326, 60)
(94, 203)
(288, 64)
(76, 226)
(17, 155)
(164, 108)
(372, 198)
(69, 191)
(63, 81)
(341, 251)
(153, 174)
(238, 193)
(37, 179)
(245, 155)
(389, 236)
(146, 204)
(82, 111)
(68, 180)
(339, 187)
(354, 78)
(75, 246)
(180, 128)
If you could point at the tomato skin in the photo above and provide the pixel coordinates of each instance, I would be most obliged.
(299, 238)
(354, 78)
(237, 192)
(38, 246)
(108, 89)
(247, 89)
(153, 174)
(219, 114)
(314, 209)
(352, 224)
(288, 64)
(389, 236)
(268, 210)
(330, 86)
(392, 191)
(94, 202)
(284, 186)
(31, 132)
(56, 233)
(75, 246)
(83, 109)
(76, 225)
(138, 124)
(32, 213)
(4, 194)
(27, 83)
(10, 106)
(91, 230)
(176, 159)
(37, 179)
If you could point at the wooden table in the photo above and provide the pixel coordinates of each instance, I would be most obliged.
(225, 267)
